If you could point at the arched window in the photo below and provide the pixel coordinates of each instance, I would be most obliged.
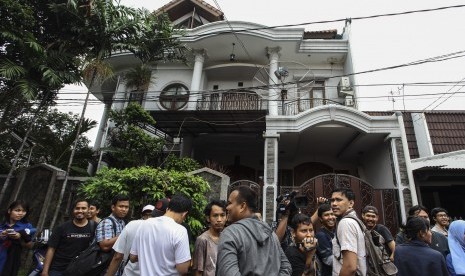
(174, 96)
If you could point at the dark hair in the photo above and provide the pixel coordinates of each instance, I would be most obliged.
(437, 210)
(15, 204)
(414, 210)
(247, 195)
(219, 203)
(300, 219)
(323, 208)
(94, 203)
(414, 226)
(345, 192)
(76, 201)
(119, 197)
(180, 204)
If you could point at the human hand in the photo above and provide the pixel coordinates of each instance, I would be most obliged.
(309, 244)
(321, 200)
(12, 234)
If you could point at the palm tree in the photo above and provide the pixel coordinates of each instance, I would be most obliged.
(139, 79)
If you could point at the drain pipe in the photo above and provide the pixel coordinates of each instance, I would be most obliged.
(408, 163)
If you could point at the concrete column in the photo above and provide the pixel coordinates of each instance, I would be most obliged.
(186, 146)
(420, 127)
(398, 179)
(102, 127)
(406, 154)
(273, 91)
(196, 78)
(270, 187)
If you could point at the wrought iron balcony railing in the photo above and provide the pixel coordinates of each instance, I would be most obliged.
(295, 107)
(231, 101)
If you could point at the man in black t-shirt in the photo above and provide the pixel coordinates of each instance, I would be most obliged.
(301, 254)
(370, 219)
(68, 240)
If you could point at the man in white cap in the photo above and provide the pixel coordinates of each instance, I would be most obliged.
(147, 211)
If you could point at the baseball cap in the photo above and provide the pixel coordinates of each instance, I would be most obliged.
(370, 209)
(148, 208)
(160, 207)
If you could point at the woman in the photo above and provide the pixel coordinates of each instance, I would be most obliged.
(16, 233)
(415, 257)
(456, 259)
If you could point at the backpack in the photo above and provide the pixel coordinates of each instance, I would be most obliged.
(377, 258)
(92, 261)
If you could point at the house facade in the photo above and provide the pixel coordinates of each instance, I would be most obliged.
(275, 107)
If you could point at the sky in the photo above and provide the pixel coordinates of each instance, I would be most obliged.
(375, 43)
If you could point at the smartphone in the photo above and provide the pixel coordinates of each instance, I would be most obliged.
(10, 231)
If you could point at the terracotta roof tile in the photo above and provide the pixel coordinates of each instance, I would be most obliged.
(325, 34)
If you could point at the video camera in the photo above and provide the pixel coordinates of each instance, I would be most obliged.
(295, 202)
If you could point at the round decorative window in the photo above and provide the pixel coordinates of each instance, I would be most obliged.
(174, 96)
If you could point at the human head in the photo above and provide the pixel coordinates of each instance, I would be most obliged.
(301, 227)
(370, 216)
(147, 211)
(120, 206)
(215, 213)
(80, 209)
(160, 207)
(94, 209)
(417, 228)
(180, 205)
(418, 211)
(456, 240)
(440, 216)
(242, 203)
(19, 209)
(342, 200)
(326, 216)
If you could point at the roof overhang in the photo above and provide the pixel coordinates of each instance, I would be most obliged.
(181, 123)
(450, 160)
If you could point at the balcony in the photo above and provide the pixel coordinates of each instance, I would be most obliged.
(295, 107)
(231, 101)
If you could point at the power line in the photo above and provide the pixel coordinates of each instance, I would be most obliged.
(245, 30)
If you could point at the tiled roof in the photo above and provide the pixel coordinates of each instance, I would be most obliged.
(446, 130)
(177, 8)
(326, 34)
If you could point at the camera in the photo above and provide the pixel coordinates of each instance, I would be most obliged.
(295, 202)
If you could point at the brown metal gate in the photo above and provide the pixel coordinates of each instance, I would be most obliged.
(383, 199)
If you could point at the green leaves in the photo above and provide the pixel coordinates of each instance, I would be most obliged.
(145, 185)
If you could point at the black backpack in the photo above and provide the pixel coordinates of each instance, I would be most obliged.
(92, 261)
(377, 258)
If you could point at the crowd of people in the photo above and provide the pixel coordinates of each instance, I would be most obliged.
(237, 241)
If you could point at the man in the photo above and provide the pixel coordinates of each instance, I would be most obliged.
(438, 241)
(105, 234)
(206, 245)
(370, 219)
(68, 240)
(123, 245)
(248, 246)
(324, 249)
(94, 210)
(441, 220)
(147, 211)
(301, 253)
(161, 245)
(349, 243)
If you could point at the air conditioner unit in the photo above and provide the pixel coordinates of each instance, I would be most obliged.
(344, 88)
(349, 101)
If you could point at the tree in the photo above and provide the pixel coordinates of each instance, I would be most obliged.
(50, 141)
(144, 185)
(128, 144)
(138, 78)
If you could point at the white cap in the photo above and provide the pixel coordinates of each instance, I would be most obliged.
(148, 208)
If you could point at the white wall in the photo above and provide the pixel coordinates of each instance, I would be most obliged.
(376, 168)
